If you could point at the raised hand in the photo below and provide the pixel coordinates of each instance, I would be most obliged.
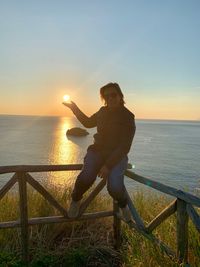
(71, 105)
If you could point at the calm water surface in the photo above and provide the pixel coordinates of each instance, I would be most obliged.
(166, 151)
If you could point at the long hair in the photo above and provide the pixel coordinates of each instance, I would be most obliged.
(117, 89)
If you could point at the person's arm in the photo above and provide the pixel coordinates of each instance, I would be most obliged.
(88, 122)
(125, 144)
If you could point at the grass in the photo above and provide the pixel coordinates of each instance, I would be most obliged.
(89, 243)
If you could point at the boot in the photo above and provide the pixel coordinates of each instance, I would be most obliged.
(74, 209)
(126, 213)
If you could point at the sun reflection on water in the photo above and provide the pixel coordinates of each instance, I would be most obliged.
(64, 151)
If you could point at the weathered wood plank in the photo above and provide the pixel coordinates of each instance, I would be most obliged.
(92, 195)
(40, 168)
(38, 187)
(187, 197)
(58, 219)
(152, 238)
(8, 186)
(116, 226)
(85, 216)
(134, 212)
(182, 231)
(23, 216)
(10, 224)
(194, 216)
(163, 215)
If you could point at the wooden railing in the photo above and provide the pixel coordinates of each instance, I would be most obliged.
(182, 204)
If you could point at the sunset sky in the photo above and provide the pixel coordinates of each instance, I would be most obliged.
(51, 48)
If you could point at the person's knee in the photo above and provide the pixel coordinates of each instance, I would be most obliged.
(86, 178)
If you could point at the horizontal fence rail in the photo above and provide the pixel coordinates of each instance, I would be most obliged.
(182, 205)
(40, 168)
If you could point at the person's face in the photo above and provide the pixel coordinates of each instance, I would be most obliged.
(112, 98)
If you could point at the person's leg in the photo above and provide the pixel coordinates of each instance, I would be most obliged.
(91, 166)
(115, 183)
(116, 187)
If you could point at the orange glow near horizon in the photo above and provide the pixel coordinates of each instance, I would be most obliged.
(142, 106)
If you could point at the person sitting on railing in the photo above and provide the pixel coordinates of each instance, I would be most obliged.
(107, 157)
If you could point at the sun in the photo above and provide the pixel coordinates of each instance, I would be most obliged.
(66, 98)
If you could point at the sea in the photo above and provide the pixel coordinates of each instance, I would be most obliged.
(162, 150)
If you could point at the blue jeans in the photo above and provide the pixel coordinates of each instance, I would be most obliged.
(93, 162)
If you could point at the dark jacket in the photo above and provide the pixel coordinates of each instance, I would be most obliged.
(115, 132)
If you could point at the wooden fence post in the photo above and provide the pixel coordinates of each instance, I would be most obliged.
(182, 231)
(23, 216)
(116, 226)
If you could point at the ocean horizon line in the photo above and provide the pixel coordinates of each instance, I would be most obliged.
(61, 116)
